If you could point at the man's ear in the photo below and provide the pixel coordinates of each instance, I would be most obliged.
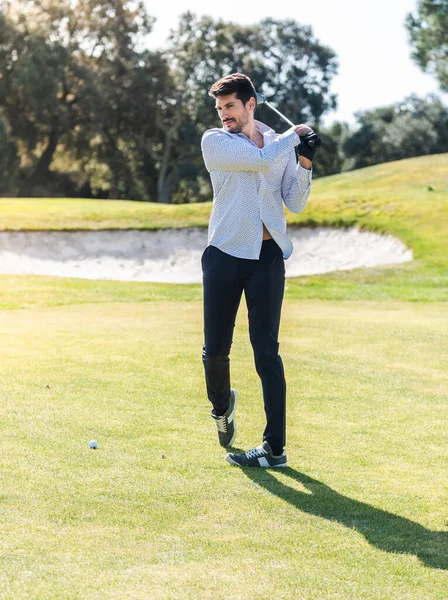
(251, 104)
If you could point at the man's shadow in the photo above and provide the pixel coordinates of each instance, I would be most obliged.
(382, 529)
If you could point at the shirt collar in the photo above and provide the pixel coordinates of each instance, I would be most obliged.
(262, 128)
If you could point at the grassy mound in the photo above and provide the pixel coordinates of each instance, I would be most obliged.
(408, 199)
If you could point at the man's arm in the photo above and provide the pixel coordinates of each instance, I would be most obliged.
(296, 183)
(228, 152)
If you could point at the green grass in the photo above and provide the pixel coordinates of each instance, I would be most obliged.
(72, 214)
(155, 512)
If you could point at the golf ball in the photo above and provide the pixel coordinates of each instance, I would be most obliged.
(93, 444)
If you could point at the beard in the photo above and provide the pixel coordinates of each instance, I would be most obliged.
(239, 124)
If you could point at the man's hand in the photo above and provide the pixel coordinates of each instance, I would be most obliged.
(302, 129)
(310, 141)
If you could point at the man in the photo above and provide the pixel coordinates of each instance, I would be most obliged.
(253, 171)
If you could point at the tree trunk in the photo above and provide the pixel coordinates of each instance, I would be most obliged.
(42, 169)
(166, 185)
(168, 172)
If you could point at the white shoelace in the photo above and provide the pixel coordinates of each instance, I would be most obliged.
(221, 424)
(256, 452)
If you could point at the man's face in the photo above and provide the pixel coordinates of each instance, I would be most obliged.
(232, 112)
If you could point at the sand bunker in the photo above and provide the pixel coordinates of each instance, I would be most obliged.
(174, 255)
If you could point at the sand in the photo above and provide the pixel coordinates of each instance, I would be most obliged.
(174, 255)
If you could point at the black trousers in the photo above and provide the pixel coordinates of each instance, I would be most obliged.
(263, 281)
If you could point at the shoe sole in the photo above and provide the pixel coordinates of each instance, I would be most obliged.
(230, 460)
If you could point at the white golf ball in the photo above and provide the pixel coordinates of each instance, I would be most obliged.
(93, 445)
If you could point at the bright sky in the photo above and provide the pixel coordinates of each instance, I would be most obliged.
(368, 36)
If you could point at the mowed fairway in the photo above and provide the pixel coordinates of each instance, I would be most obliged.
(156, 512)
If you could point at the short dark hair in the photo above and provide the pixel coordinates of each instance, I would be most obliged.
(234, 83)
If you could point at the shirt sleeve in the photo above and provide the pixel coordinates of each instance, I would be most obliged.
(228, 152)
(296, 185)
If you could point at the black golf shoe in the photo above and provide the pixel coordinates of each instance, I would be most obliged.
(261, 456)
(226, 424)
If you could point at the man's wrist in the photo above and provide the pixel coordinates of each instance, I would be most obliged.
(305, 162)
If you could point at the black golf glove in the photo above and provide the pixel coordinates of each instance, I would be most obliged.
(308, 146)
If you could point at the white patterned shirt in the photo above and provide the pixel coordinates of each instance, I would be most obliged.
(250, 185)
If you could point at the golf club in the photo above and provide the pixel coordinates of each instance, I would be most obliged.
(262, 100)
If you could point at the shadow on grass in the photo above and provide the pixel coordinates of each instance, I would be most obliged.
(382, 529)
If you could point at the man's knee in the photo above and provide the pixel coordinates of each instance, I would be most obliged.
(265, 356)
(215, 354)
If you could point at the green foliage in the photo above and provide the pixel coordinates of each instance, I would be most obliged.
(285, 61)
(413, 127)
(428, 31)
(9, 162)
(130, 108)
(80, 95)
(52, 54)
(282, 58)
(330, 158)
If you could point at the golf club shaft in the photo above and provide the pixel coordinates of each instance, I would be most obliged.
(279, 113)
(262, 100)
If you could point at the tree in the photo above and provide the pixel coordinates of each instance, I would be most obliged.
(428, 31)
(51, 51)
(414, 127)
(130, 106)
(284, 60)
(330, 158)
(82, 97)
